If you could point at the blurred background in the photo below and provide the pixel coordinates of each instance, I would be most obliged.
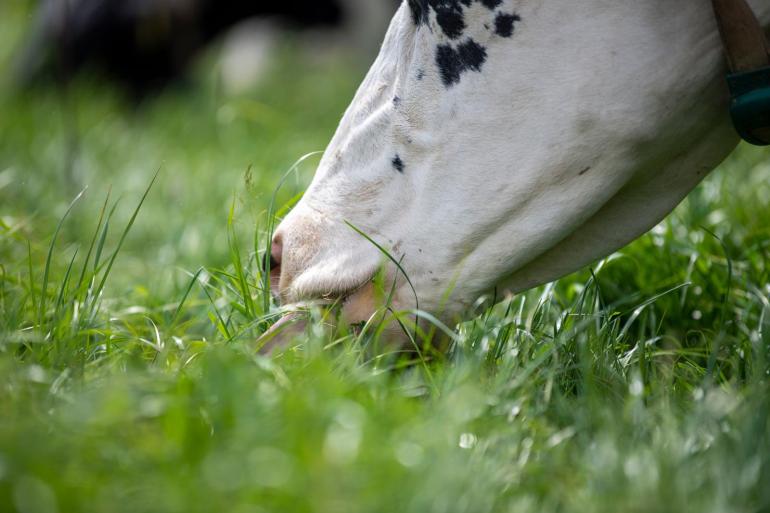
(221, 96)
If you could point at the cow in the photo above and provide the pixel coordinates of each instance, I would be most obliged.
(502, 144)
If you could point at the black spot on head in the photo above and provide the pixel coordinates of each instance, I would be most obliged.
(398, 164)
(449, 64)
(396, 101)
(452, 63)
(419, 10)
(491, 4)
(455, 59)
(472, 54)
(451, 19)
(504, 24)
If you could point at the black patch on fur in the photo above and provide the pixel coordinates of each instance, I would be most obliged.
(491, 4)
(472, 54)
(504, 24)
(450, 16)
(451, 21)
(453, 62)
(453, 59)
(419, 10)
(448, 61)
(396, 101)
(398, 164)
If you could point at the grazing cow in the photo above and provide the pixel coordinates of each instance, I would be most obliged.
(504, 144)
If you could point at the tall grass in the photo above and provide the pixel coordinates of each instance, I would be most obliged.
(130, 378)
(578, 396)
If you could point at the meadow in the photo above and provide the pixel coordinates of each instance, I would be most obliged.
(131, 300)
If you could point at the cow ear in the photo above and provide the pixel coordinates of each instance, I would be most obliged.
(419, 10)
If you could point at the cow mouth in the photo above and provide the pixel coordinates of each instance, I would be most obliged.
(338, 298)
(322, 297)
(321, 293)
(343, 293)
(294, 318)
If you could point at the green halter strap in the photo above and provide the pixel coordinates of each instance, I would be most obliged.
(748, 59)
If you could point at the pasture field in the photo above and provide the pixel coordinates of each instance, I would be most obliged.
(129, 380)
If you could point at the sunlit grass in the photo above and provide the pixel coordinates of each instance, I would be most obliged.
(638, 385)
(130, 314)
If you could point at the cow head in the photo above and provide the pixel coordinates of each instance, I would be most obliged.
(500, 142)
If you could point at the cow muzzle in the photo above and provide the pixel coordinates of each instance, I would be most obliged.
(315, 257)
(319, 261)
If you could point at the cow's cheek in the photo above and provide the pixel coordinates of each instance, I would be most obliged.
(361, 305)
(368, 304)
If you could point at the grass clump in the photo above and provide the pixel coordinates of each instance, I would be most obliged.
(129, 379)
(640, 385)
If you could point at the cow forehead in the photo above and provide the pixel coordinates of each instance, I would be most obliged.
(460, 34)
(399, 115)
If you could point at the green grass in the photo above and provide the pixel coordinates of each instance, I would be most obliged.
(129, 379)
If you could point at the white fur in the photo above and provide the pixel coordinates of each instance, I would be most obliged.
(580, 133)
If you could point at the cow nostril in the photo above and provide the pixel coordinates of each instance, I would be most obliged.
(276, 250)
(269, 262)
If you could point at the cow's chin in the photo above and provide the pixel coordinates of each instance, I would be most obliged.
(360, 287)
(357, 308)
(357, 301)
(328, 280)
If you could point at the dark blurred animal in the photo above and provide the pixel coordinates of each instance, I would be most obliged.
(145, 44)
